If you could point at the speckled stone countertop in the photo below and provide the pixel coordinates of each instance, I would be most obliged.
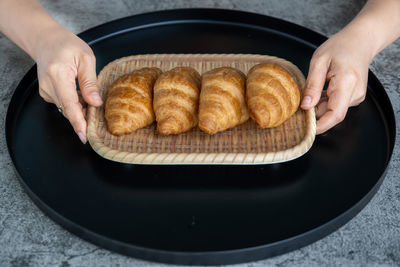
(30, 238)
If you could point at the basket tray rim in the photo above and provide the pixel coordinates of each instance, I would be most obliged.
(202, 158)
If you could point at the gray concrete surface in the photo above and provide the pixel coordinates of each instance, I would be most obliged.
(30, 238)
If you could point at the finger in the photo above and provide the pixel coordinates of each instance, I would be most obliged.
(72, 109)
(81, 100)
(315, 81)
(88, 81)
(46, 91)
(339, 98)
(321, 109)
(324, 97)
(84, 111)
(46, 97)
(83, 104)
(74, 113)
(359, 96)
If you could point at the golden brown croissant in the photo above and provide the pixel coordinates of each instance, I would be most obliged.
(222, 100)
(129, 101)
(176, 98)
(272, 94)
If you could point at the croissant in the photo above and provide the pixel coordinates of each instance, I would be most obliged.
(176, 98)
(222, 100)
(272, 94)
(128, 104)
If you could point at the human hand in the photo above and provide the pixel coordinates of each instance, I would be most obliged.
(62, 57)
(343, 62)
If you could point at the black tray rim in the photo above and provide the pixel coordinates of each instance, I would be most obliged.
(210, 257)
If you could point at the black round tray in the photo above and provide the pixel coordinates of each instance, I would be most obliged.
(200, 214)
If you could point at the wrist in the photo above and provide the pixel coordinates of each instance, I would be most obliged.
(26, 23)
(362, 38)
(376, 26)
(43, 37)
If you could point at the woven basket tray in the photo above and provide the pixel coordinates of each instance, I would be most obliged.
(244, 144)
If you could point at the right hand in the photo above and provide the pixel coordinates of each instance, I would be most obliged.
(62, 57)
(342, 61)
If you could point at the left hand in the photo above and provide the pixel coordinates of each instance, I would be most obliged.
(61, 58)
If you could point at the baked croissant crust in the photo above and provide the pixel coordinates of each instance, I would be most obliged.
(128, 104)
(222, 100)
(272, 94)
(176, 100)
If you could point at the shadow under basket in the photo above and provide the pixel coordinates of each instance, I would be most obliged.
(244, 144)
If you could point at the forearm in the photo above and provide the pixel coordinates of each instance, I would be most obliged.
(25, 22)
(376, 26)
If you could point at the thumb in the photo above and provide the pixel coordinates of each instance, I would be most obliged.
(315, 82)
(88, 81)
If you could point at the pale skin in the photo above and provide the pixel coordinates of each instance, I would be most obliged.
(62, 57)
(343, 61)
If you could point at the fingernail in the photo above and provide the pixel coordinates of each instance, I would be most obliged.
(82, 137)
(96, 98)
(307, 100)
